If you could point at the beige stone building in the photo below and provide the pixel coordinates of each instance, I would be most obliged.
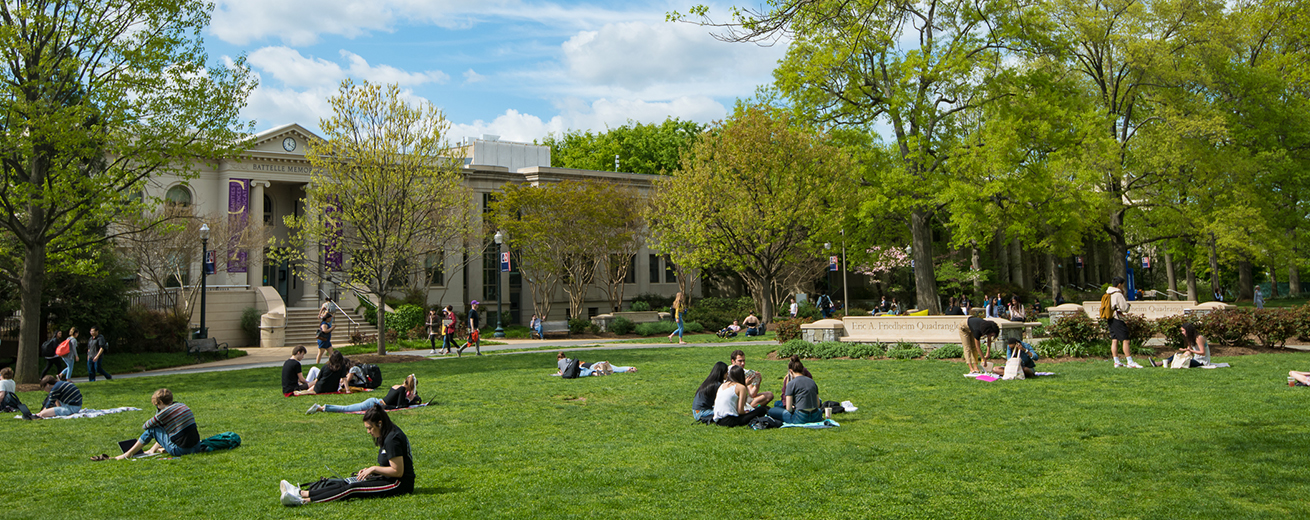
(268, 182)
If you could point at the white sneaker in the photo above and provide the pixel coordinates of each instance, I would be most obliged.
(1118, 364)
(1133, 364)
(291, 494)
(313, 409)
(973, 374)
(432, 352)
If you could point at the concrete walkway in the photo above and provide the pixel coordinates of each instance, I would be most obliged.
(274, 357)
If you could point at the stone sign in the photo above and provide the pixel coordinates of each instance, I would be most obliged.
(912, 329)
(1150, 309)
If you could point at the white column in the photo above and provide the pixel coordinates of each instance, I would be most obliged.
(255, 264)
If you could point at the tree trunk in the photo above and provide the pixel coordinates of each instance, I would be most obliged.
(1293, 280)
(1245, 282)
(1191, 282)
(925, 281)
(1273, 281)
(1082, 272)
(1002, 258)
(1214, 267)
(1173, 279)
(382, 321)
(29, 337)
(1016, 264)
(975, 263)
(1118, 246)
(1053, 278)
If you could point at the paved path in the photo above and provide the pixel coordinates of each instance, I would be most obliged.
(274, 357)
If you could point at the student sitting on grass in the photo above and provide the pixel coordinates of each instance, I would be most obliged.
(753, 379)
(1193, 346)
(392, 476)
(787, 378)
(730, 404)
(801, 397)
(1026, 357)
(331, 378)
(292, 379)
(752, 324)
(702, 405)
(173, 429)
(730, 331)
(64, 398)
(8, 398)
(400, 396)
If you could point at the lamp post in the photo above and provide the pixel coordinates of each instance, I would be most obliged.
(845, 293)
(204, 259)
(827, 246)
(500, 330)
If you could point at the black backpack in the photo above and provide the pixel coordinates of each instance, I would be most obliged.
(571, 370)
(765, 422)
(372, 375)
(48, 348)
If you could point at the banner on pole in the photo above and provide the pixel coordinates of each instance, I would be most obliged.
(505, 266)
(211, 259)
(832, 263)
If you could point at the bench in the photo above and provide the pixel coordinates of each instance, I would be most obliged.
(197, 346)
(553, 327)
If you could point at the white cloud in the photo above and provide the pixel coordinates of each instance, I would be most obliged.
(293, 69)
(473, 77)
(577, 114)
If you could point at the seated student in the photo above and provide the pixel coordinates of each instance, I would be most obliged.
(730, 331)
(1027, 357)
(8, 397)
(173, 428)
(953, 308)
(1193, 344)
(292, 379)
(392, 476)
(730, 403)
(401, 396)
(801, 398)
(1017, 312)
(355, 373)
(702, 406)
(535, 326)
(64, 398)
(753, 378)
(332, 378)
(787, 378)
(752, 324)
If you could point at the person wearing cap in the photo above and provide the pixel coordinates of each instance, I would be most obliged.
(475, 338)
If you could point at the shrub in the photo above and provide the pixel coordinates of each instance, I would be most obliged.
(656, 327)
(1140, 329)
(717, 313)
(905, 353)
(652, 300)
(1228, 327)
(830, 349)
(154, 331)
(1078, 328)
(947, 351)
(1272, 327)
(796, 347)
(1169, 327)
(691, 327)
(622, 326)
(640, 306)
(578, 325)
(865, 350)
(250, 325)
(406, 318)
(789, 329)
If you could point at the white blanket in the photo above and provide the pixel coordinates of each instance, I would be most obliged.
(86, 413)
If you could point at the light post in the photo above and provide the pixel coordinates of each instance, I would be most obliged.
(827, 246)
(845, 294)
(500, 330)
(204, 259)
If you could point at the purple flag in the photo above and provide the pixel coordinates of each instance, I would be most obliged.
(238, 214)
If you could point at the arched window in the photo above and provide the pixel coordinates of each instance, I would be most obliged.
(178, 196)
(268, 209)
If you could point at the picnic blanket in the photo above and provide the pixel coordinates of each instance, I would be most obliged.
(826, 423)
(396, 409)
(87, 413)
(353, 390)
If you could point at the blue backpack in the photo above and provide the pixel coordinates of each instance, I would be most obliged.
(222, 441)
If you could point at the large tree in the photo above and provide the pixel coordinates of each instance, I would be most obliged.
(386, 192)
(98, 95)
(639, 148)
(759, 193)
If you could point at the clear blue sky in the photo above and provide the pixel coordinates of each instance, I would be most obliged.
(519, 69)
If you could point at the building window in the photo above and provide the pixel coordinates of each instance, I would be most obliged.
(632, 271)
(178, 196)
(268, 209)
(436, 269)
(487, 200)
(654, 269)
(490, 272)
(670, 275)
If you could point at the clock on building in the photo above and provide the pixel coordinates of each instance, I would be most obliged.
(289, 144)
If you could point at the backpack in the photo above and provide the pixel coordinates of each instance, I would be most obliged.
(1107, 307)
(222, 441)
(63, 348)
(372, 375)
(571, 370)
(48, 348)
(765, 422)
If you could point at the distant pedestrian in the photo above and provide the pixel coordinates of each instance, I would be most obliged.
(434, 328)
(825, 305)
(1259, 298)
(68, 351)
(48, 352)
(95, 352)
(448, 322)
(794, 309)
(475, 337)
(324, 335)
(679, 311)
(1118, 327)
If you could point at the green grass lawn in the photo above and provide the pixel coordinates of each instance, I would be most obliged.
(123, 363)
(505, 440)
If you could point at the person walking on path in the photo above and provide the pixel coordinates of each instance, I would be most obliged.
(475, 337)
(95, 352)
(793, 309)
(434, 325)
(324, 335)
(679, 311)
(48, 352)
(1259, 298)
(1118, 327)
(70, 356)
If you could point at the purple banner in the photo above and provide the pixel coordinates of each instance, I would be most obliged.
(331, 249)
(238, 214)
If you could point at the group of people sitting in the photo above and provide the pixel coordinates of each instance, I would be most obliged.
(587, 369)
(337, 375)
(752, 328)
(887, 308)
(731, 396)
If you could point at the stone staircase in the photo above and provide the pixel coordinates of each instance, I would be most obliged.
(302, 325)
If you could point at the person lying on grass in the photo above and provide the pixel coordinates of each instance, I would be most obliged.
(1026, 354)
(292, 380)
(63, 399)
(753, 379)
(332, 378)
(393, 475)
(400, 396)
(599, 368)
(173, 429)
(1193, 345)
(801, 397)
(730, 404)
(702, 405)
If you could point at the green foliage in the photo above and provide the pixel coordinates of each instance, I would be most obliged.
(1170, 327)
(904, 352)
(864, 350)
(717, 313)
(153, 331)
(651, 301)
(641, 148)
(406, 319)
(796, 347)
(578, 325)
(947, 352)
(666, 328)
(829, 350)
(250, 324)
(807, 310)
(1140, 329)
(1272, 327)
(1228, 327)
(789, 329)
(621, 326)
(640, 306)
(1076, 328)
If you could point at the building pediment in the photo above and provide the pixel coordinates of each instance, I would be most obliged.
(287, 140)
